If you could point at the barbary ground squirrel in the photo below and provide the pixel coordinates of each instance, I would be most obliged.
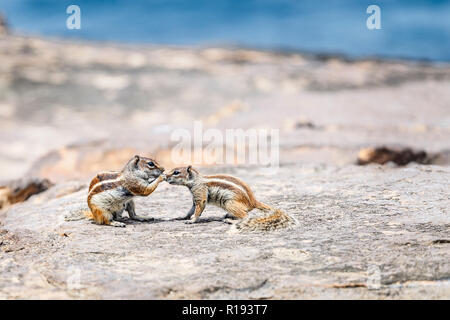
(110, 193)
(231, 194)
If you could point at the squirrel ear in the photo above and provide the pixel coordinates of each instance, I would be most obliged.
(136, 160)
(190, 172)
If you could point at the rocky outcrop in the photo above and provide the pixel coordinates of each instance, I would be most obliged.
(364, 232)
(15, 191)
(401, 157)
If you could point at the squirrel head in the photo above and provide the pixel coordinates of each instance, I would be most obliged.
(143, 168)
(182, 176)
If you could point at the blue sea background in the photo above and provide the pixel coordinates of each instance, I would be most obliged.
(413, 29)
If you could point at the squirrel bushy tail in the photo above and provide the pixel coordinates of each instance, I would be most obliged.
(79, 214)
(273, 220)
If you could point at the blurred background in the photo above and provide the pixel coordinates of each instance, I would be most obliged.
(73, 102)
(417, 29)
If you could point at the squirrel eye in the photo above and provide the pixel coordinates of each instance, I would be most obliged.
(151, 164)
(176, 172)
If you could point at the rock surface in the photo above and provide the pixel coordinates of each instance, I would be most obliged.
(364, 232)
(68, 110)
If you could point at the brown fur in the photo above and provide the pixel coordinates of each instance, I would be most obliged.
(98, 215)
(104, 186)
(103, 176)
(132, 181)
(237, 181)
(229, 193)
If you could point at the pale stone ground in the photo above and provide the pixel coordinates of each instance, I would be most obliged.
(364, 232)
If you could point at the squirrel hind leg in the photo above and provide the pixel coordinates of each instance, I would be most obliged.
(236, 209)
(101, 216)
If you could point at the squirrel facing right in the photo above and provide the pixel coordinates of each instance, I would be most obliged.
(110, 193)
(231, 194)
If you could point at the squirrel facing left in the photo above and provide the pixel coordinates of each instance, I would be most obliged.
(110, 193)
(231, 194)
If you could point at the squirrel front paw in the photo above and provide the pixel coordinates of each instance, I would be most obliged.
(191, 221)
(117, 224)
